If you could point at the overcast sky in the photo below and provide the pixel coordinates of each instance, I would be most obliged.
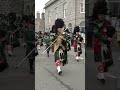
(39, 5)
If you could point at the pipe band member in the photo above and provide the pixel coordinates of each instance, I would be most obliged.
(77, 43)
(103, 33)
(59, 45)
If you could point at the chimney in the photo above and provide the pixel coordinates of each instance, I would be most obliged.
(43, 16)
(38, 15)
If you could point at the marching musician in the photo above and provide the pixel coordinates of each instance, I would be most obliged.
(59, 45)
(77, 43)
(30, 44)
(103, 33)
(11, 39)
(52, 37)
(47, 41)
(67, 37)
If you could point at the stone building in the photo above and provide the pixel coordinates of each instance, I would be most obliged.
(40, 23)
(17, 6)
(113, 7)
(7, 6)
(29, 7)
(71, 11)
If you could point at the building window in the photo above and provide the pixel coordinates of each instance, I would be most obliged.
(70, 27)
(49, 17)
(82, 6)
(114, 8)
(82, 27)
(28, 10)
(64, 10)
(56, 12)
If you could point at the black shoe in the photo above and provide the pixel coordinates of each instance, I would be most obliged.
(60, 73)
(10, 55)
(101, 80)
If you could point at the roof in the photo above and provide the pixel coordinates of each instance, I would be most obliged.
(50, 2)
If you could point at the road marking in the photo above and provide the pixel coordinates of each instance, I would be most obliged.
(67, 86)
(112, 76)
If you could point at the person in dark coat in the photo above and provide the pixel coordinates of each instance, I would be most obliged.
(30, 41)
(3, 61)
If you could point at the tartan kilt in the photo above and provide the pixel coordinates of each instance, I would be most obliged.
(108, 60)
(75, 49)
(97, 57)
(79, 50)
(64, 57)
(105, 56)
(58, 56)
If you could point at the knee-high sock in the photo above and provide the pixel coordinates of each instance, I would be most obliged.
(58, 63)
(10, 49)
(100, 75)
(38, 46)
(77, 55)
(100, 71)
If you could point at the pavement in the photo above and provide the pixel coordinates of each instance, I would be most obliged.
(112, 77)
(76, 75)
(47, 78)
(17, 79)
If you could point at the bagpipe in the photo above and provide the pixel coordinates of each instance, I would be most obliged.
(56, 42)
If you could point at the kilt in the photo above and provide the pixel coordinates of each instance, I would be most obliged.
(63, 56)
(75, 49)
(105, 56)
(79, 50)
(59, 56)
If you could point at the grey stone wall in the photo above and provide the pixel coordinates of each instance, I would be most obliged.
(73, 17)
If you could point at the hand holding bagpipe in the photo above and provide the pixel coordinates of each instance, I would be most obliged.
(59, 38)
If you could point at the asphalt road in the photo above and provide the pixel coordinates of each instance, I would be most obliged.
(46, 77)
(17, 79)
(112, 77)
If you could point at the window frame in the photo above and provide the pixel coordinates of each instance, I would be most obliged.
(49, 16)
(82, 8)
(64, 10)
(56, 12)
